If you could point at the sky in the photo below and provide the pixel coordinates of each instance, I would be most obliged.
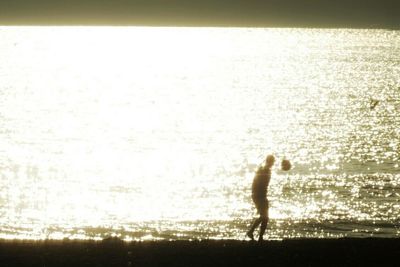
(281, 13)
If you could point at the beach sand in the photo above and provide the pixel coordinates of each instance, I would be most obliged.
(113, 252)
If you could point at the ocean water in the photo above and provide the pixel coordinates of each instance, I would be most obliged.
(155, 133)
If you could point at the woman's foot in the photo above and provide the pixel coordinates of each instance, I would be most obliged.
(250, 235)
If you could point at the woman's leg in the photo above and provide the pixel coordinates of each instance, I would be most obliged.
(255, 224)
(263, 227)
(264, 221)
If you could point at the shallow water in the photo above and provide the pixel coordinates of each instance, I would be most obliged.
(155, 133)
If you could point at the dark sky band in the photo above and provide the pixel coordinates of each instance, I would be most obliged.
(235, 13)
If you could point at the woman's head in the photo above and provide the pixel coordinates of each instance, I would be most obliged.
(270, 160)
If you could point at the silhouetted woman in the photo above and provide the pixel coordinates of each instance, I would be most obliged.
(259, 196)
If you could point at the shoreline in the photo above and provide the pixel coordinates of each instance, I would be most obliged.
(115, 252)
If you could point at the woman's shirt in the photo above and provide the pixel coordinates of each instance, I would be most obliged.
(261, 182)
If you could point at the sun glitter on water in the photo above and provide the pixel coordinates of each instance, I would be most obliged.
(157, 132)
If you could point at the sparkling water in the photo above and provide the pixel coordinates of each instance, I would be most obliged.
(155, 133)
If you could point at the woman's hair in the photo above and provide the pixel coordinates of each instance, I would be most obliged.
(270, 160)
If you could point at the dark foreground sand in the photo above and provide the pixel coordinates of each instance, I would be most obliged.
(301, 252)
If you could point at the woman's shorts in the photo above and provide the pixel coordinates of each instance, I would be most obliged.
(262, 205)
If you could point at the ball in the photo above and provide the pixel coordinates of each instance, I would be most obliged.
(286, 165)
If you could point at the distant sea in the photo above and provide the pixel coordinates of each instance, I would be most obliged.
(155, 133)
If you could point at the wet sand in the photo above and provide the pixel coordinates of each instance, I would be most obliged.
(298, 252)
